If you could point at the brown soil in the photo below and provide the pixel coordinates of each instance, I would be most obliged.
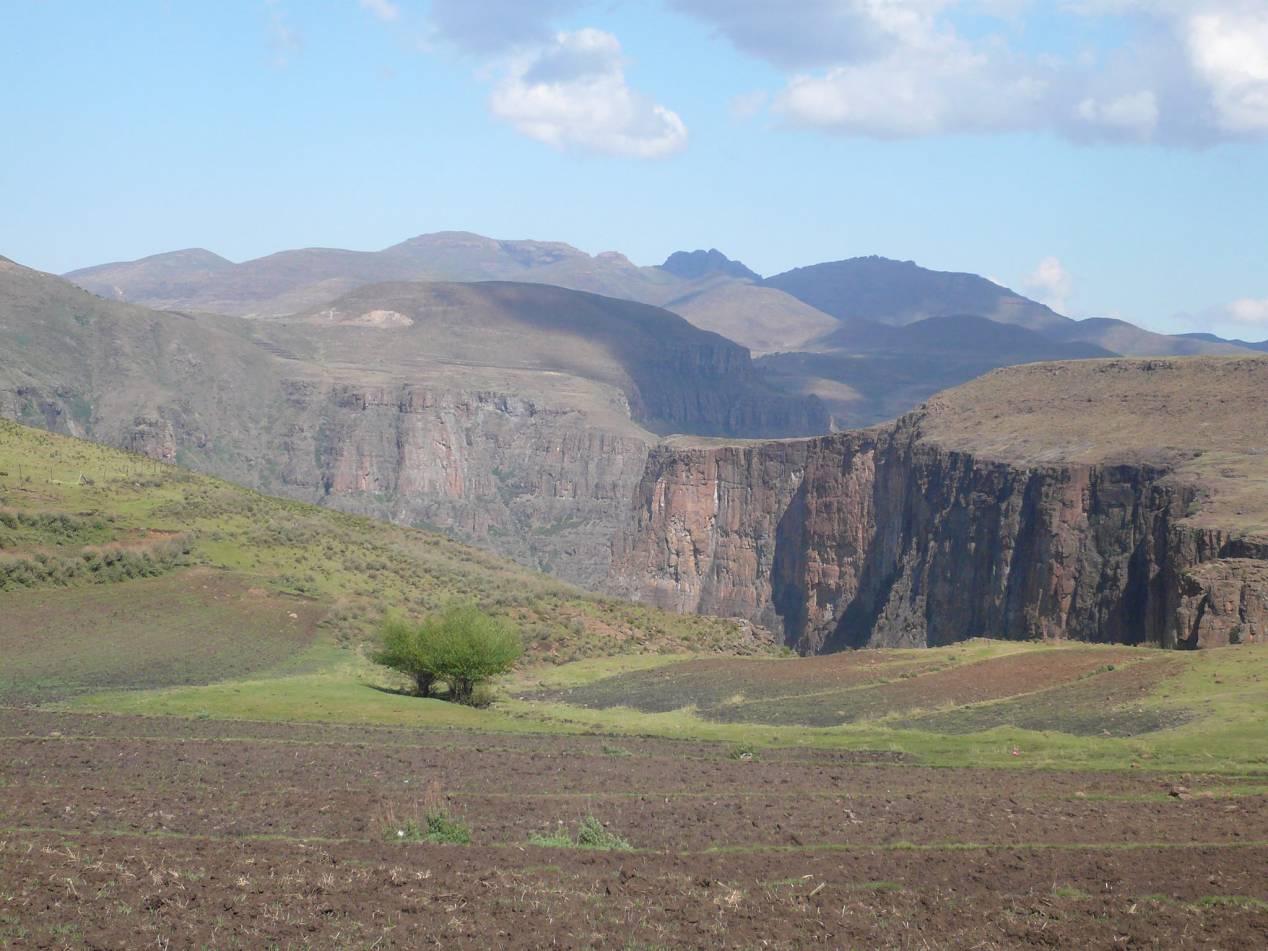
(840, 688)
(128, 832)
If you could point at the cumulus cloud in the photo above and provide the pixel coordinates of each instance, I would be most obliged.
(572, 93)
(1249, 312)
(1229, 52)
(383, 10)
(925, 89)
(1188, 72)
(494, 26)
(1050, 283)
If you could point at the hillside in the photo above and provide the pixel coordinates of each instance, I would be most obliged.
(1131, 341)
(515, 416)
(675, 377)
(187, 579)
(816, 309)
(292, 281)
(901, 292)
(867, 372)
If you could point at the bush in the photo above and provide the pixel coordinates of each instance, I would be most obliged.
(591, 834)
(444, 828)
(406, 648)
(461, 645)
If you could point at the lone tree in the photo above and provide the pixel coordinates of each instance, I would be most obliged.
(460, 645)
(405, 647)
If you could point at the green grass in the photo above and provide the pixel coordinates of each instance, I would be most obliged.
(591, 834)
(1226, 733)
(188, 627)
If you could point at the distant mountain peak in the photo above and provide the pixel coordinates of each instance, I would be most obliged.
(697, 264)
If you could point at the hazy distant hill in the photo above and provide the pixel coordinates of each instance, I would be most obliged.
(693, 265)
(901, 292)
(1133, 341)
(826, 330)
(866, 372)
(1261, 346)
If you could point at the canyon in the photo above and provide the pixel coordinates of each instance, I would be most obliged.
(1113, 500)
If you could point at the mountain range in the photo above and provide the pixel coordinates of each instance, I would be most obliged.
(615, 444)
(832, 331)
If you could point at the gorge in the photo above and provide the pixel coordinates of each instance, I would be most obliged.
(1113, 500)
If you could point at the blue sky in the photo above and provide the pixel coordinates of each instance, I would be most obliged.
(1107, 156)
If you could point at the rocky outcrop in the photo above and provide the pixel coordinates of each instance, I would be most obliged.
(884, 538)
(535, 483)
(1223, 602)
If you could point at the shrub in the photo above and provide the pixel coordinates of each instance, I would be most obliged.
(461, 645)
(437, 824)
(444, 828)
(470, 647)
(591, 834)
(405, 648)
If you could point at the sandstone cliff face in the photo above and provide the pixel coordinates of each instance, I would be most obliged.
(530, 482)
(886, 539)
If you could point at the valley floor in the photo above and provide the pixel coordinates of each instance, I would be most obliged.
(158, 832)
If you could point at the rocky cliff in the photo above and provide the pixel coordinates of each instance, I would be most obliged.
(939, 528)
(536, 483)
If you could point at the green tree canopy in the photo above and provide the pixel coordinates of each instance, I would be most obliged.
(460, 645)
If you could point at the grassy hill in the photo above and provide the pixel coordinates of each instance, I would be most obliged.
(120, 572)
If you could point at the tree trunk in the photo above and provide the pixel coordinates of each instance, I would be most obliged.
(423, 683)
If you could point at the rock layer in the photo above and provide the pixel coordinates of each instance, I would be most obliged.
(885, 538)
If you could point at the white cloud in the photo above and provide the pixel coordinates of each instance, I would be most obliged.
(572, 94)
(1050, 283)
(1181, 72)
(1229, 51)
(384, 10)
(926, 89)
(1248, 311)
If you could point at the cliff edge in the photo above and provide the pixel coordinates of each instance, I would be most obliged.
(1111, 500)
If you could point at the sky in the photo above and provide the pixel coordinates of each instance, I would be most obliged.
(1109, 157)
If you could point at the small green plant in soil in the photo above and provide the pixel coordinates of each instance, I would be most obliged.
(445, 828)
(436, 825)
(591, 834)
(744, 753)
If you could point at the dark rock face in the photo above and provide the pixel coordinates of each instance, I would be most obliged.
(693, 265)
(884, 539)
